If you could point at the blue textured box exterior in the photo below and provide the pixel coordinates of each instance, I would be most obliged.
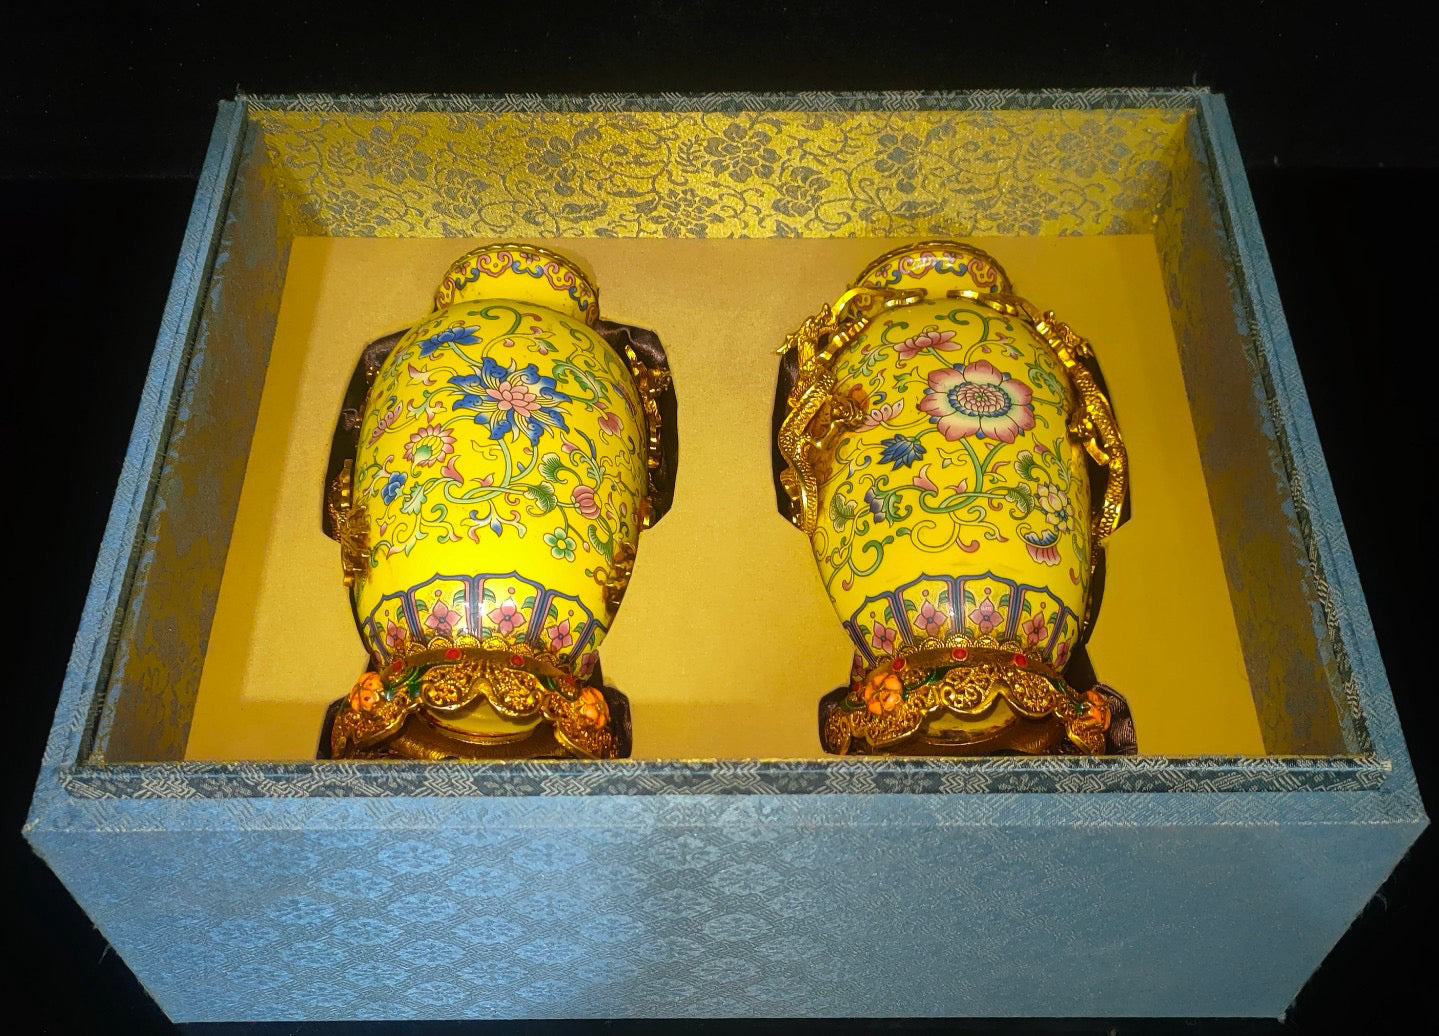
(990, 887)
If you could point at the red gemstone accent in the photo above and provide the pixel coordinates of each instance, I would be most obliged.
(518, 661)
(897, 665)
(452, 653)
(960, 654)
(1021, 661)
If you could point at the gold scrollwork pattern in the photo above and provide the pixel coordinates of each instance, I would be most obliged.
(351, 526)
(445, 675)
(963, 676)
(816, 417)
(651, 383)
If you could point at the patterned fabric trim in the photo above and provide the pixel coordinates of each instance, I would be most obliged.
(897, 100)
(725, 777)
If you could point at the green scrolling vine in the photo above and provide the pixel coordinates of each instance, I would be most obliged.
(491, 420)
(964, 441)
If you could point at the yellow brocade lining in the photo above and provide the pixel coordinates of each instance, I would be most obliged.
(738, 174)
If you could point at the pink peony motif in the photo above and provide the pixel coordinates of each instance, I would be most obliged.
(507, 618)
(930, 620)
(1035, 629)
(442, 618)
(882, 415)
(986, 616)
(942, 341)
(516, 397)
(883, 639)
(610, 424)
(585, 503)
(394, 636)
(977, 399)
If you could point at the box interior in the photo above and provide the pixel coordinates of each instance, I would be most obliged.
(721, 231)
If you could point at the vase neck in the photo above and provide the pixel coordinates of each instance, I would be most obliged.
(523, 273)
(938, 267)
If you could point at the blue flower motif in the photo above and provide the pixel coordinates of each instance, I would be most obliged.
(512, 401)
(900, 451)
(876, 505)
(449, 336)
(391, 489)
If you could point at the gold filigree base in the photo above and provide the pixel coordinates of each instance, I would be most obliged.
(402, 711)
(899, 706)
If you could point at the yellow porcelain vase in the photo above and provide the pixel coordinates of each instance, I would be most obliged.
(957, 468)
(489, 520)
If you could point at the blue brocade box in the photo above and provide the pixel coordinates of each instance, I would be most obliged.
(730, 868)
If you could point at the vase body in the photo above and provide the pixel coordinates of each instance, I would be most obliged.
(498, 491)
(952, 501)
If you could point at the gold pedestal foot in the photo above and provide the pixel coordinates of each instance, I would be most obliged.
(979, 698)
(426, 703)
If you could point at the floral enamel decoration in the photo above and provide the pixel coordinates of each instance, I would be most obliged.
(936, 456)
(494, 502)
(976, 399)
(512, 401)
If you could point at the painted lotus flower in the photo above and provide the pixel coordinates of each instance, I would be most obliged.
(882, 693)
(430, 445)
(1035, 629)
(513, 402)
(585, 502)
(507, 618)
(455, 335)
(977, 399)
(900, 451)
(1041, 545)
(442, 618)
(1053, 506)
(930, 338)
(986, 616)
(882, 415)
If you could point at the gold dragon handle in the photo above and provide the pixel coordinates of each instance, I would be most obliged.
(816, 416)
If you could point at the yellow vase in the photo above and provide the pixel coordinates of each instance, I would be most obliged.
(940, 441)
(490, 518)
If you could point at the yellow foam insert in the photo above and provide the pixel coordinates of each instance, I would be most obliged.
(726, 639)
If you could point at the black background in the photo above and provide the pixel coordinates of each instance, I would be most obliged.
(106, 115)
